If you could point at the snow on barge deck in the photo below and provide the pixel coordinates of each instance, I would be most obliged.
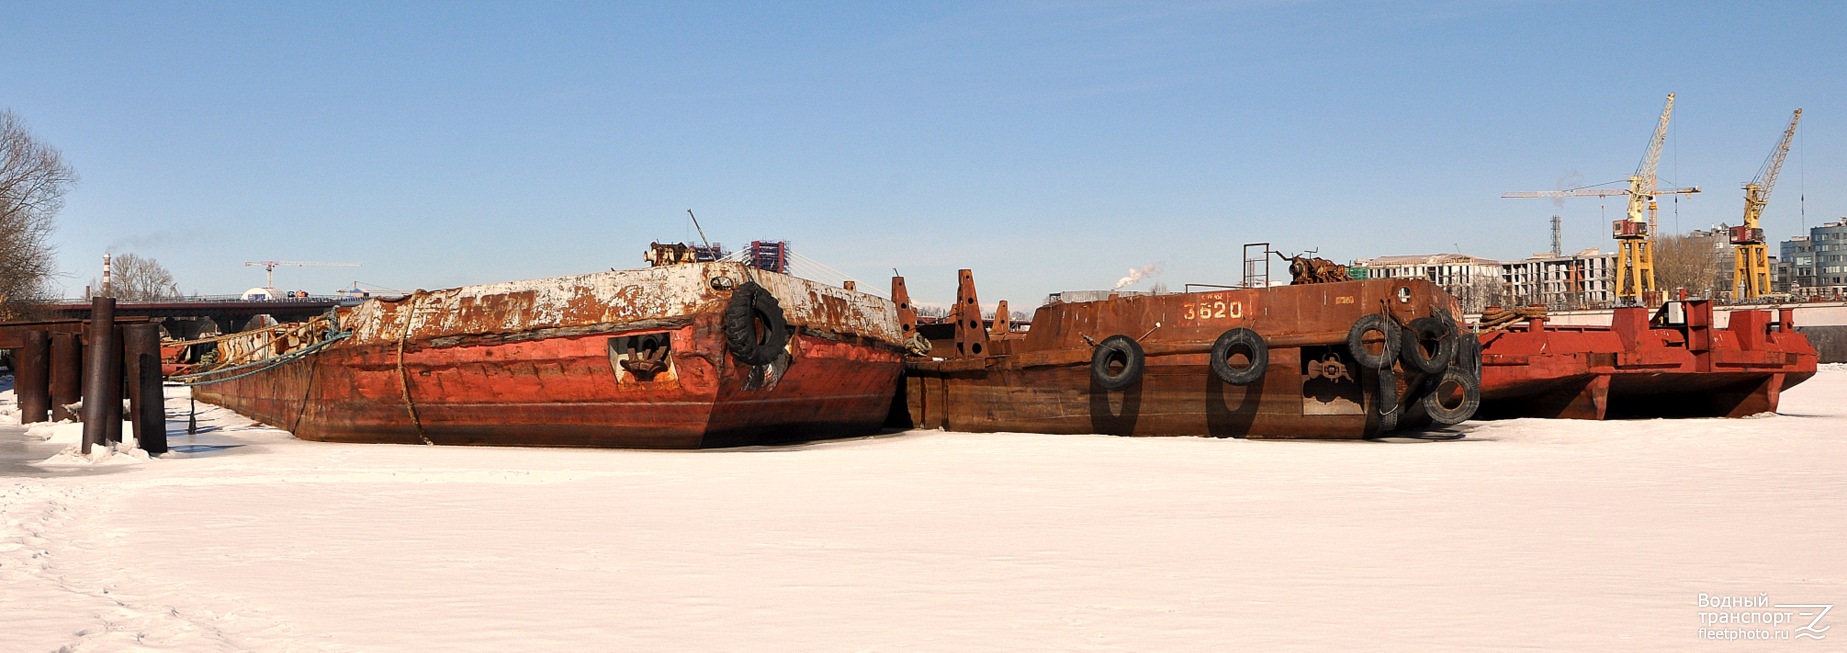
(1348, 359)
(682, 355)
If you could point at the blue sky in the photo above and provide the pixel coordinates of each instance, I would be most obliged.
(1046, 145)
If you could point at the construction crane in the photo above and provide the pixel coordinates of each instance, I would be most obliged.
(269, 268)
(1592, 192)
(1751, 260)
(1634, 234)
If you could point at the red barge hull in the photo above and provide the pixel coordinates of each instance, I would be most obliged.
(635, 358)
(1310, 385)
(1675, 364)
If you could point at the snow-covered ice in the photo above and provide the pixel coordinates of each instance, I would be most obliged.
(1526, 534)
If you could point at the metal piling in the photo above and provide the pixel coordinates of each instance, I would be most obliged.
(146, 399)
(32, 381)
(100, 388)
(66, 378)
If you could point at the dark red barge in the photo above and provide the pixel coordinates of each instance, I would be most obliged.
(1674, 363)
(676, 356)
(1349, 359)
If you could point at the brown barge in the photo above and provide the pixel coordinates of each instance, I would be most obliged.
(1674, 363)
(675, 356)
(1349, 359)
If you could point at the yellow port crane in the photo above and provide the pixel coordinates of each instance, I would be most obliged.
(1634, 234)
(1751, 260)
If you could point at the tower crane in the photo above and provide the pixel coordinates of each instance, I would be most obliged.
(269, 268)
(1751, 259)
(1634, 234)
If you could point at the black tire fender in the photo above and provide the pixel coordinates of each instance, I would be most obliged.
(1117, 348)
(1356, 341)
(1387, 401)
(1463, 407)
(755, 328)
(1431, 327)
(1468, 354)
(1231, 342)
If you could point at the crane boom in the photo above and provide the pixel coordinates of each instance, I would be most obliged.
(1651, 161)
(1751, 256)
(303, 264)
(269, 268)
(1766, 176)
(1642, 185)
(1591, 192)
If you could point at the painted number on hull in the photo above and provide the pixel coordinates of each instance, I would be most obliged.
(1209, 309)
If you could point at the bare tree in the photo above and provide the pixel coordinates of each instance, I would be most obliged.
(1478, 291)
(1695, 262)
(133, 278)
(33, 178)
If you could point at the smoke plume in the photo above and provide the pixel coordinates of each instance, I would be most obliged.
(1569, 181)
(1137, 274)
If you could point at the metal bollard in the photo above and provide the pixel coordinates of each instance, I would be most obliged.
(100, 389)
(32, 381)
(66, 374)
(147, 410)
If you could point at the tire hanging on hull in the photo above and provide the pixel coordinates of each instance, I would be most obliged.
(1387, 401)
(1427, 329)
(1388, 345)
(1468, 355)
(1251, 345)
(1465, 406)
(1118, 349)
(754, 326)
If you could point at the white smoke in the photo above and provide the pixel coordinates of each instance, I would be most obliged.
(1138, 274)
(1567, 181)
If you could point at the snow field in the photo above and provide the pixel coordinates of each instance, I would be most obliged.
(1536, 534)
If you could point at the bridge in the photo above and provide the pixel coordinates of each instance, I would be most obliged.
(189, 317)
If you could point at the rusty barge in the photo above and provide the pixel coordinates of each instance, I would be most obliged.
(680, 355)
(1673, 363)
(1348, 359)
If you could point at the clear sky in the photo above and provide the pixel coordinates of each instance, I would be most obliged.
(1046, 145)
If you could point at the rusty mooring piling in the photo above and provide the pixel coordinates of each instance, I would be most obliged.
(146, 400)
(100, 388)
(32, 379)
(98, 363)
(113, 422)
(66, 378)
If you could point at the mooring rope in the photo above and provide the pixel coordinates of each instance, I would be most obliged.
(203, 378)
(410, 311)
(226, 336)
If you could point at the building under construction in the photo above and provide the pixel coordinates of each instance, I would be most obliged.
(1581, 280)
